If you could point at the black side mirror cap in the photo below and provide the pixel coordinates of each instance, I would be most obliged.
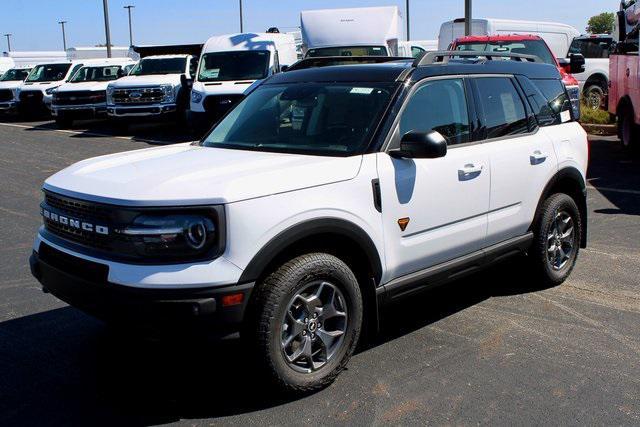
(284, 68)
(421, 145)
(576, 63)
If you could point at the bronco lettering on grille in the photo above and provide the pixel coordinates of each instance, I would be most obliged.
(74, 223)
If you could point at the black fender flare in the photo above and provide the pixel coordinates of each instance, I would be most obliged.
(304, 230)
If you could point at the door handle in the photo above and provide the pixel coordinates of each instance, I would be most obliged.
(538, 157)
(469, 171)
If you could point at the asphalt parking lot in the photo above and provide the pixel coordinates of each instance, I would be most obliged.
(490, 349)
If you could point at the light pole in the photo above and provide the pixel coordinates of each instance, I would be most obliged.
(467, 17)
(129, 7)
(107, 33)
(64, 35)
(241, 25)
(408, 22)
(8, 36)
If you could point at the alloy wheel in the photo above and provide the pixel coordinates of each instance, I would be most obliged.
(560, 240)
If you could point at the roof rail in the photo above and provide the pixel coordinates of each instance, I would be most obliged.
(433, 57)
(326, 61)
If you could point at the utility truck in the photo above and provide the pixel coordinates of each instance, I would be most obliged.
(229, 67)
(157, 87)
(624, 72)
(84, 95)
(557, 36)
(365, 31)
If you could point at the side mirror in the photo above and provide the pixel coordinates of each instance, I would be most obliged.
(421, 145)
(121, 73)
(576, 63)
(284, 68)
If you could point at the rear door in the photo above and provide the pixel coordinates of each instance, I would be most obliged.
(522, 158)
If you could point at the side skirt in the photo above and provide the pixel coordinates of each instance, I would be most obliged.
(449, 271)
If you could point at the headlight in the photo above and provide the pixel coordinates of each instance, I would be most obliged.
(110, 90)
(196, 96)
(51, 90)
(167, 91)
(174, 236)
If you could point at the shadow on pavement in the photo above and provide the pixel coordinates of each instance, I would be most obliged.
(63, 368)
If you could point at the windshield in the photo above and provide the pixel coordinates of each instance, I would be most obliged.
(334, 119)
(525, 47)
(348, 51)
(228, 66)
(48, 73)
(592, 48)
(96, 74)
(152, 66)
(15, 74)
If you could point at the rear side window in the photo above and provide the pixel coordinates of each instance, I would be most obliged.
(503, 110)
(441, 106)
(550, 102)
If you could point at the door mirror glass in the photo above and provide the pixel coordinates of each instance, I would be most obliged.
(421, 145)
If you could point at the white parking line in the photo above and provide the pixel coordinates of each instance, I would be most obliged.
(614, 190)
(87, 133)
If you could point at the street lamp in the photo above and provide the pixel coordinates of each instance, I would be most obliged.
(467, 17)
(8, 36)
(64, 35)
(129, 7)
(408, 22)
(107, 32)
(241, 25)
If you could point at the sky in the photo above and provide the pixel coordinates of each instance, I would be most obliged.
(34, 23)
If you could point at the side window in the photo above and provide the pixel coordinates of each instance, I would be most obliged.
(73, 72)
(504, 112)
(438, 105)
(549, 101)
(417, 51)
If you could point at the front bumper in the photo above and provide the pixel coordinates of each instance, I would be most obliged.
(8, 106)
(141, 110)
(79, 110)
(84, 285)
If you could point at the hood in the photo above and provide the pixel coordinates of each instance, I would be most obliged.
(145, 81)
(74, 87)
(225, 88)
(184, 174)
(40, 86)
(13, 84)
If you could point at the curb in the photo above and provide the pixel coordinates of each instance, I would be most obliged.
(603, 130)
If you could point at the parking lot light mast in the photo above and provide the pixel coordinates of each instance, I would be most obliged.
(107, 32)
(241, 24)
(64, 35)
(129, 7)
(467, 17)
(8, 36)
(408, 22)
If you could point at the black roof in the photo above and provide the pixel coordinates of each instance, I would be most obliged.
(176, 49)
(404, 70)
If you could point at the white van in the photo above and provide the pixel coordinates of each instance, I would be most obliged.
(416, 48)
(364, 31)
(229, 66)
(557, 36)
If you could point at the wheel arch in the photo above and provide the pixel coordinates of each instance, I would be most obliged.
(569, 181)
(597, 77)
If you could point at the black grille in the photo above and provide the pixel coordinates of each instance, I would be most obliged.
(6, 95)
(31, 97)
(87, 270)
(79, 98)
(218, 105)
(141, 96)
(78, 208)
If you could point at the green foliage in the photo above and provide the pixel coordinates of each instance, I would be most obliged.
(595, 117)
(601, 24)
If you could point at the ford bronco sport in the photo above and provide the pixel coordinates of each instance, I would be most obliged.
(326, 193)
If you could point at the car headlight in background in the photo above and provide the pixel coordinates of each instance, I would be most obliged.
(167, 91)
(110, 90)
(196, 96)
(51, 90)
(171, 236)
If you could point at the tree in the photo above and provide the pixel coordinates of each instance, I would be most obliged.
(601, 24)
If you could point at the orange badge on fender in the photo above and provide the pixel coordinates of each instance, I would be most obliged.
(403, 223)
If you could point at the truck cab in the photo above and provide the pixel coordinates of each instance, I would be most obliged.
(10, 81)
(366, 31)
(155, 87)
(230, 66)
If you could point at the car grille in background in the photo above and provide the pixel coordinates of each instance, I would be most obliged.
(31, 97)
(218, 105)
(6, 95)
(140, 96)
(79, 97)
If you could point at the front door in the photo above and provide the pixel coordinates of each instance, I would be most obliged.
(434, 210)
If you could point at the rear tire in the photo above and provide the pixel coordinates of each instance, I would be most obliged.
(305, 322)
(557, 237)
(628, 130)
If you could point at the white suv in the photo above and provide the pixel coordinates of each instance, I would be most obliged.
(323, 195)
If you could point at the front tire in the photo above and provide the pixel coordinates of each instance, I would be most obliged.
(307, 317)
(557, 237)
(595, 96)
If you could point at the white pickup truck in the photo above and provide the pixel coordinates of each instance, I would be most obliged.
(155, 87)
(229, 67)
(594, 82)
(10, 81)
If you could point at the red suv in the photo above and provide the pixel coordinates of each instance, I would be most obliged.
(527, 45)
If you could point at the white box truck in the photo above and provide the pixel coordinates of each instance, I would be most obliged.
(27, 59)
(557, 36)
(365, 31)
(229, 67)
(95, 52)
